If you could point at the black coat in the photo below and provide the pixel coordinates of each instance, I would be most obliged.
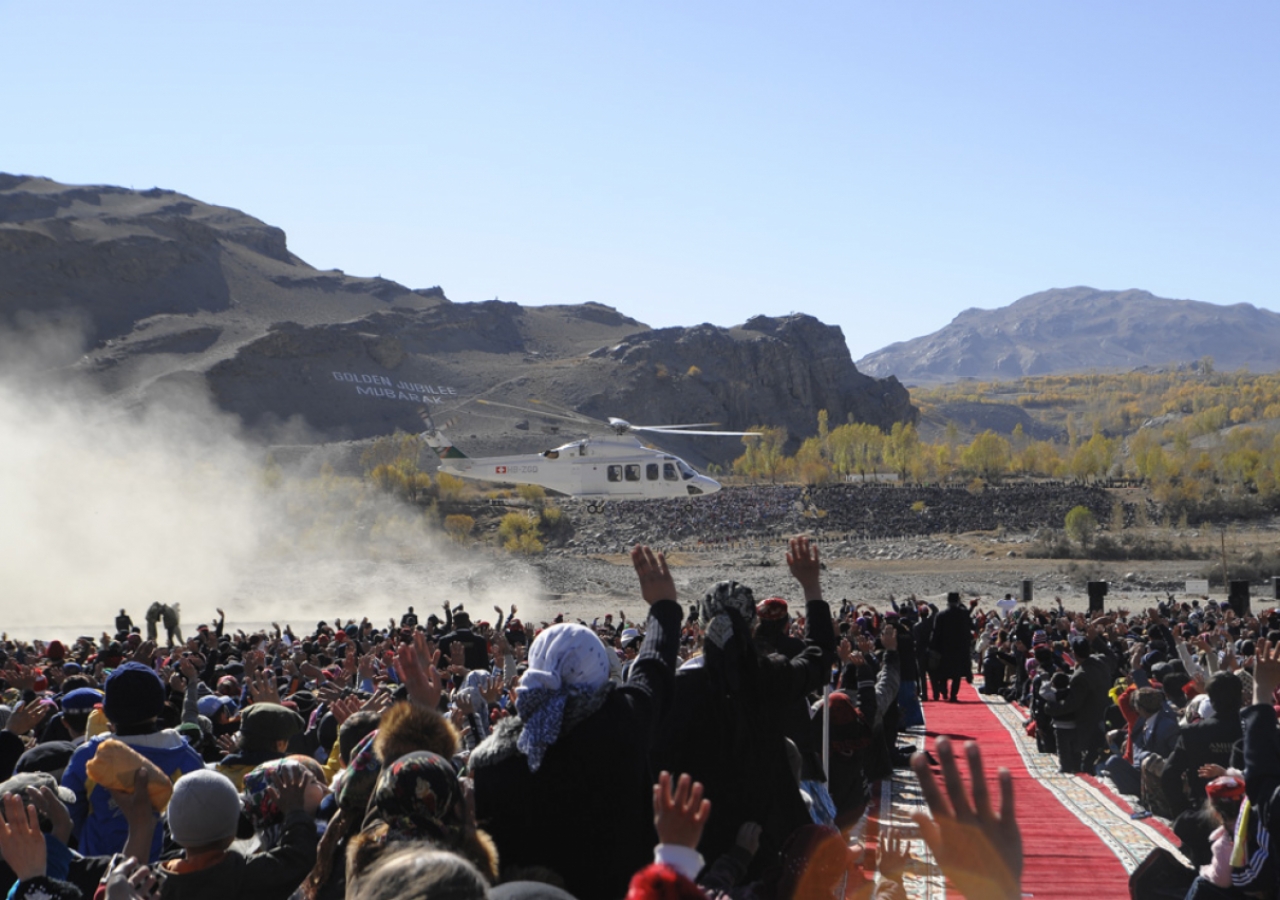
(587, 813)
(952, 636)
(732, 740)
(1086, 699)
(1207, 741)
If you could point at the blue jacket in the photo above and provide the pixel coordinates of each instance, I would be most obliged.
(97, 821)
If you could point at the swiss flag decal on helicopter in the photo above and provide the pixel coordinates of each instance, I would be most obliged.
(500, 470)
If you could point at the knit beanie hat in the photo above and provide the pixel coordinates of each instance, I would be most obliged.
(134, 693)
(205, 808)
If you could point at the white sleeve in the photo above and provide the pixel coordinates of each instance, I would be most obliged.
(685, 860)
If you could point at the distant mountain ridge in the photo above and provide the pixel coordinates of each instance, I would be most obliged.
(1080, 329)
(171, 290)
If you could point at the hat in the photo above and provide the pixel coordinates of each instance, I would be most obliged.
(72, 668)
(1149, 700)
(262, 724)
(205, 809)
(461, 619)
(772, 610)
(134, 693)
(630, 636)
(55, 651)
(49, 756)
(81, 700)
(1226, 787)
(210, 704)
(23, 781)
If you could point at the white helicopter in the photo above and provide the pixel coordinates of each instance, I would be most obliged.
(615, 466)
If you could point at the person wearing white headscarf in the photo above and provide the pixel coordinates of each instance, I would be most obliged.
(565, 784)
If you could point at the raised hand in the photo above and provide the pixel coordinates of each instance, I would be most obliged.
(749, 837)
(130, 880)
(28, 716)
(262, 687)
(418, 671)
(21, 841)
(1266, 670)
(379, 703)
(492, 690)
(980, 851)
(889, 637)
(651, 568)
(893, 855)
(458, 658)
(344, 708)
(805, 566)
(679, 815)
(48, 804)
(289, 789)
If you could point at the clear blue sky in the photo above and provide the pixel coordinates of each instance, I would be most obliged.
(881, 166)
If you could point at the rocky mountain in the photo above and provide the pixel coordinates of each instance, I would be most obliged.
(1081, 329)
(167, 289)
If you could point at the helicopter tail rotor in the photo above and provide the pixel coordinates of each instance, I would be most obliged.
(435, 438)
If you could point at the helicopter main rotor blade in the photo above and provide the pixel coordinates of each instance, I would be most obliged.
(672, 427)
(580, 419)
(697, 433)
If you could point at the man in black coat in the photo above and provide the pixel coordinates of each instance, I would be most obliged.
(952, 637)
(1086, 701)
(475, 648)
(726, 725)
(1207, 742)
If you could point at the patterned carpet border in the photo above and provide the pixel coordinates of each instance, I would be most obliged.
(1131, 841)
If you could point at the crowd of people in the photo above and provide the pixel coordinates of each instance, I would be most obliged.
(726, 749)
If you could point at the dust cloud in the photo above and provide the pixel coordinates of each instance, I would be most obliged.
(104, 507)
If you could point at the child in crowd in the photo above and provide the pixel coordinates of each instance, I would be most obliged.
(204, 815)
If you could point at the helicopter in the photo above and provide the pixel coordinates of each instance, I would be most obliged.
(611, 466)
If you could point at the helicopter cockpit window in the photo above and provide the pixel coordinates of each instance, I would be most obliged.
(582, 449)
(685, 471)
(669, 472)
(633, 472)
(551, 454)
(651, 472)
(615, 473)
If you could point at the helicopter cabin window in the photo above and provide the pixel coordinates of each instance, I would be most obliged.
(582, 449)
(651, 472)
(615, 473)
(633, 472)
(669, 472)
(552, 454)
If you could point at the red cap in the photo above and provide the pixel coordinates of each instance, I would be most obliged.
(772, 610)
(1228, 787)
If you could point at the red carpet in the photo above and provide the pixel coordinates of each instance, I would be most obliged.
(1063, 857)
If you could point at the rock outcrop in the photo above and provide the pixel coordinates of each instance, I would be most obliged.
(168, 289)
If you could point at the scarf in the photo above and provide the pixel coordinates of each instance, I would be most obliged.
(567, 680)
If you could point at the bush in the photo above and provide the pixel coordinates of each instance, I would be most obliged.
(519, 534)
(459, 527)
(449, 488)
(531, 493)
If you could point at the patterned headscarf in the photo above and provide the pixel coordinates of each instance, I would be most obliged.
(353, 786)
(418, 796)
(260, 803)
(714, 609)
(567, 679)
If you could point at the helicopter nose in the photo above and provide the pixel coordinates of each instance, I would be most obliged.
(702, 485)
